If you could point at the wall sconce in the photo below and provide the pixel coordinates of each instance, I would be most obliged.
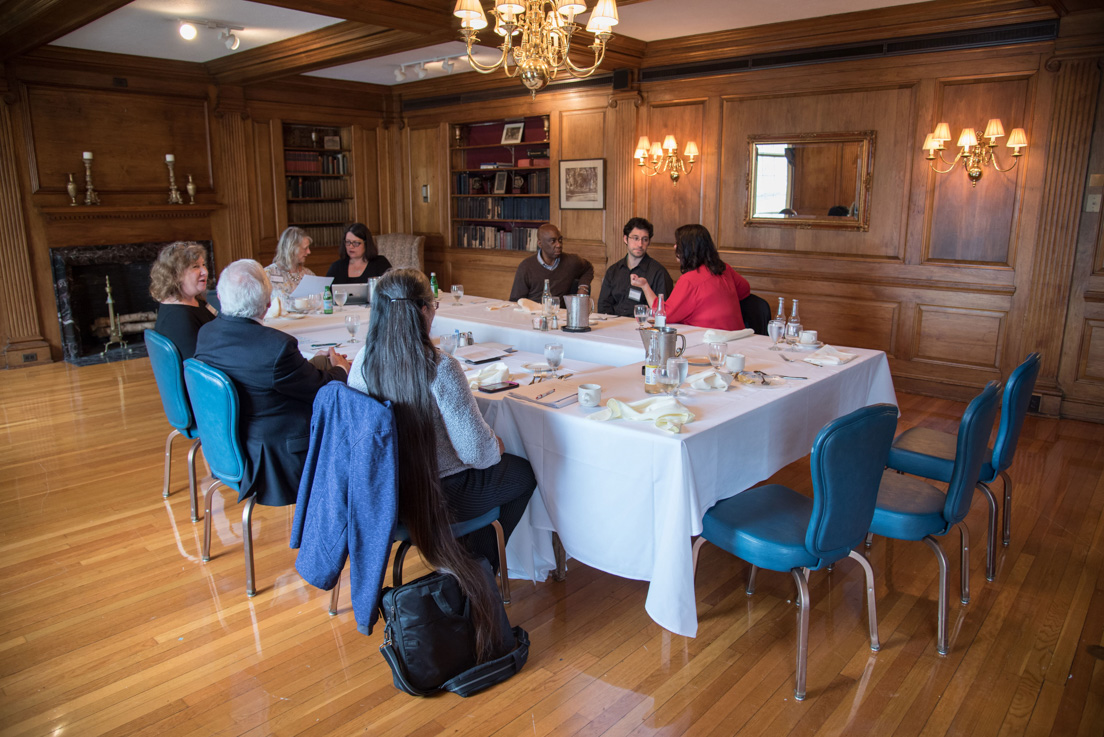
(972, 154)
(664, 158)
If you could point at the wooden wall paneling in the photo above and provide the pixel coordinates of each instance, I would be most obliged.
(21, 334)
(621, 175)
(234, 230)
(582, 135)
(956, 336)
(968, 223)
(268, 185)
(1091, 366)
(366, 180)
(668, 205)
(428, 149)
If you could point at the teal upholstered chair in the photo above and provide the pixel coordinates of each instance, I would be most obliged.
(215, 402)
(168, 372)
(777, 528)
(909, 508)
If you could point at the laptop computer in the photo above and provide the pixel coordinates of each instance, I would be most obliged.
(358, 293)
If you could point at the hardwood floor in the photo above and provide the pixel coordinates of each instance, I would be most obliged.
(110, 624)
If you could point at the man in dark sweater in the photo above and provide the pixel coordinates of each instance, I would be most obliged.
(619, 295)
(566, 273)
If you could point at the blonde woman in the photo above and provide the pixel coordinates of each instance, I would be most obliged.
(287, 268)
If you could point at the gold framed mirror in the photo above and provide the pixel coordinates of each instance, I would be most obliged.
(810, 180)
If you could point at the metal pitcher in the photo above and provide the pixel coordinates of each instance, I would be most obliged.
(578, 311)
(372, 288)
(663, 342)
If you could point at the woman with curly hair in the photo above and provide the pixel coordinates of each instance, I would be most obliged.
(287, 268)
(359, 260)
(178, 280)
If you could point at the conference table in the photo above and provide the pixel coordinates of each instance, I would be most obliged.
(627, 497)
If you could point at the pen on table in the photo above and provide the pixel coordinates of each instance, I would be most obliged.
(545, 394)
(325, 345)
(803, 378)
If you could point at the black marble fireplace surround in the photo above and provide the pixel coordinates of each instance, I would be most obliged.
(80, 273)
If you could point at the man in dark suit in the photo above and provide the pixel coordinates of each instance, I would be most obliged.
(276, 385)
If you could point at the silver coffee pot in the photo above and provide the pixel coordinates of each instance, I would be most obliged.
(664, 342)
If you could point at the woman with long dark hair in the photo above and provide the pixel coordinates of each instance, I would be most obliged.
(451, 464)
(708, 293)
(359, 259)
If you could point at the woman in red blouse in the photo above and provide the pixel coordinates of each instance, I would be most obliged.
(708, 293)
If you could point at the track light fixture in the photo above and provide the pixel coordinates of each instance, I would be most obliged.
(400, 73)
(226, 33)
(420, 70)
(187, 30)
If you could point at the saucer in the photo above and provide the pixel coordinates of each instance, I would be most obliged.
(808, 346)
(698, 360)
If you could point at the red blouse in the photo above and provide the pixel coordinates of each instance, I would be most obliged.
(705, 300)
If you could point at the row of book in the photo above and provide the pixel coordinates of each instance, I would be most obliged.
(502, 208)
(298, 187)
(306, 162)
(325, 236)
(508, 182)
(336, 211)
(476, 236)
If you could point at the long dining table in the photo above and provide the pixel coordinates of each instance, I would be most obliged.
(627, 497)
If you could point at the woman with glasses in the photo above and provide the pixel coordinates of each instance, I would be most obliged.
(359, 259)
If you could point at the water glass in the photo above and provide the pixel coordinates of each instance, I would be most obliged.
(448, 344)
(641, 313)
(457, 292)
(717, 354)
(678, 367)
(340, 298)
(776, 329)
(553, 353)
(352, 324)
(667, 379)
(550, 305)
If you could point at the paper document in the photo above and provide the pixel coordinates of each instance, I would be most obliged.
(312, 285)
(479, 353)
(555, 394)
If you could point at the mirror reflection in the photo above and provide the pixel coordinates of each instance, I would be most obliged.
(810, 180)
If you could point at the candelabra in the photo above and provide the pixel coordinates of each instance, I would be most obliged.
(115, 328)
(191, 187)
(973, 154)
(665, 162)
(90, 196)
(174, 193)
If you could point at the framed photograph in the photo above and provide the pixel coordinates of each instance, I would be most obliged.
(583, 184)
(500, 183)
(512, 133)
(331, 143)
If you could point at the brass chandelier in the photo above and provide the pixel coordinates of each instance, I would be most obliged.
(973, 154)
(545, 28)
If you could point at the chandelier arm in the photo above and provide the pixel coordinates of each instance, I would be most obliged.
(501, 63)
(997, 166)
(599, 55)
(949, 169)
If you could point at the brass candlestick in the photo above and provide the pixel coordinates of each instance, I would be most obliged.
(191, 187)
(90, 196)
(174, 193)
(115, 326)
(71, 188)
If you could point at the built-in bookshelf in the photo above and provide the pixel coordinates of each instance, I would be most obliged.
(317, 174)
(500, 183)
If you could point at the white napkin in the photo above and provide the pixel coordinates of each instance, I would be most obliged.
(826, 355)
(528, 305)
(723, 336)
(274, 308)
(707, 380)
(666, 412)
(493, 374)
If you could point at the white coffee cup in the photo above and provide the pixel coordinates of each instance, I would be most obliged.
(734, 363)
(590, 395)
(808, 337)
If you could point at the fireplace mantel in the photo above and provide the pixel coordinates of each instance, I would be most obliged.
(127, 212)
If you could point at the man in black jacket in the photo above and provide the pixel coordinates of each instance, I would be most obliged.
(619, 295)
(276, 385)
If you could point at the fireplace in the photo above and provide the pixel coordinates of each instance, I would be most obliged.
(81, 274)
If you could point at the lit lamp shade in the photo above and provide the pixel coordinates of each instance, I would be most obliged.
(603, 18)
(468, 10)
(967, 139)
(1017, 140)
(930, 143)
(656, 150)
(569, 8)
(670, 143)
(942, 132)
(477, 24)
(994, 130)
(691, 150)
(508, 8)
(643, 144)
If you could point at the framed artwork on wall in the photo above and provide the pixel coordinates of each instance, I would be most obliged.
(500, 183)
(583, 184)
(512, 132)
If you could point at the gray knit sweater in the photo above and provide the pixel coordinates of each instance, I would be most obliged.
(464, 439)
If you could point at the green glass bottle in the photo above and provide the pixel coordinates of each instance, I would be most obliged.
(433, 283)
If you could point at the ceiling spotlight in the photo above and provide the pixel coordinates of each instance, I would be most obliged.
(187, 30)
(420, 70)
(447, 66)
(231, 40)
(400, 74)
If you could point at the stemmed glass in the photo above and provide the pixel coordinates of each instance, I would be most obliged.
(717, 354)
(341, 298)
(553, 353)
(776, 329)
(457, 292)
(640, 312)
(352, 324)
(678, 368)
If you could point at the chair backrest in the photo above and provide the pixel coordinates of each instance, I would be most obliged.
(756, 313)
(168, 372)
(403, 250)
(848, 457)
(1017, 395)
(215, 403)
(971, 451)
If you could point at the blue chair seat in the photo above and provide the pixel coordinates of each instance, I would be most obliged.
(908, 508)
(765, 526)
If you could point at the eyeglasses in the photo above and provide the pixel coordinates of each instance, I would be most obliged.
(353, 243)
(640, 239)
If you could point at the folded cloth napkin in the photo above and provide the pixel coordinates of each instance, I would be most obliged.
(723, 336)
(666, 412)
(492, 374)
(707, 380)
(826, 355)
(274, 308)
(528, 305)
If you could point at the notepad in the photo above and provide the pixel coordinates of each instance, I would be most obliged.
(555, 394)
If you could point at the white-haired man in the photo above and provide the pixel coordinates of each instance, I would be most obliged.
(276, 385)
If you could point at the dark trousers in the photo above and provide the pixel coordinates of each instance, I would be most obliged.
(507, 484)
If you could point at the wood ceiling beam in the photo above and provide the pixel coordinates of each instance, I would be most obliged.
(341, 43)
(425, 16)
(27, 24)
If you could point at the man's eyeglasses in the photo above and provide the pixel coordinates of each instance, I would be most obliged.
(634, 239)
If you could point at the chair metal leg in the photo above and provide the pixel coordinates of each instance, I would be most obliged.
(168, 461)
(941, 634)
(247, 540)
(1007, 506)
(991, 538)
(964, 535)
(503, 573)
(751, 581)
(869, 539)
(694, 552)
(871, 606)
(206, 556)
(802, 632)
(335, 596)
(192, 478)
